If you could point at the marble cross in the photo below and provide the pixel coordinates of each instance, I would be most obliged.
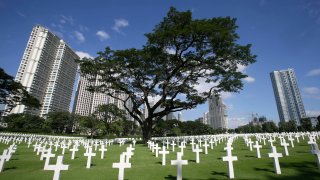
(157, 148)
(179, 162)
(121, 166)
(285, 145)
(229, 158)
(47, 156)
(102, 149)
(173, 145)
(197, 150)
(275, 157)
(59, 166)
(3, 159)
(89, 154)
(205, 147)
(73, 150)
(315, 150)
(163, 152)
(257, 146)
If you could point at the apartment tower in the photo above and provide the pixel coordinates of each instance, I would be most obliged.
(287, 95)
(48, 71)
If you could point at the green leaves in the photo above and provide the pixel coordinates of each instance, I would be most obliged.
(179, 53)
(13, 93)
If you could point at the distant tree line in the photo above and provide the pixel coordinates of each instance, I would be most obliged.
(271, 127)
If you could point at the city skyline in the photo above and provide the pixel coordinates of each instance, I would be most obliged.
(284, 35)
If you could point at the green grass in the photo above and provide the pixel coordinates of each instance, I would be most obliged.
(301, 164)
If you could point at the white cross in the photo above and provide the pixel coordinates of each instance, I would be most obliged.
(211, 143)
(102, 149)
(315, 151)
(157, 148)
(250, 144)
(89, 154)
(275, 157)
(59, 166)
(297, 137)
(291, 141)
(197, 150)
(264, 140)
(179, 162)
(173, 144)
(285, 145)
(257, 146)
(192, 144)
(128, 154)
(271, 141)
(63, 146)
(73, 150)
(230, 160)
(3, 159)
(182, 147)
(163, 152)
(200, 141)
(121, 165)
(167, 143)
(205, 147)
(56, 145)
(47, 156)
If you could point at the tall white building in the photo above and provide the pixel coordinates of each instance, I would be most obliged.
(217, 117)
(287, 95)
(86, 102)
(48, 71)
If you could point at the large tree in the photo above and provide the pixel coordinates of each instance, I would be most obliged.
(12, 93)
(181, 55)
(109, 113)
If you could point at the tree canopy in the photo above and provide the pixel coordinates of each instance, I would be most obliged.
(12, 93)
(181, 54)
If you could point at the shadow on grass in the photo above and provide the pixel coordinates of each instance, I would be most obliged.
(263, 169)
(215, 173)
(10, 168)
(249, 156)
(305, 170)
(171, 177)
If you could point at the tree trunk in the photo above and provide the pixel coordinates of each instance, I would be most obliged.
(146, 130)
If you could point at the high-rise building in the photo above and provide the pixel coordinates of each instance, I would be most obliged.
(86, 102)
(217, 117)
(287, 95)
(205, 118)
(48, 71)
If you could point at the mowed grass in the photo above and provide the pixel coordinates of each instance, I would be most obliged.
(301, 164)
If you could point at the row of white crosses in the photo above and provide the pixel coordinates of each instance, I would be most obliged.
(229, 158)
(6, 155)
(124, 162)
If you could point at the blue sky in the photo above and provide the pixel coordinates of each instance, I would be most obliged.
(284, 34)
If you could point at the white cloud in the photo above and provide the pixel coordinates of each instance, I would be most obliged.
(234, 122)
(120, 23)
(171, 51)
(103, 35)
(79, 36)
(314, 72)
(249, 79)
(82, 54)
(312, 113)
(312, 92)
(241, 68)
(226, 95)
(66, 19)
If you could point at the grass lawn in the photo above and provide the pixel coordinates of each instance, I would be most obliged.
(301, 164)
